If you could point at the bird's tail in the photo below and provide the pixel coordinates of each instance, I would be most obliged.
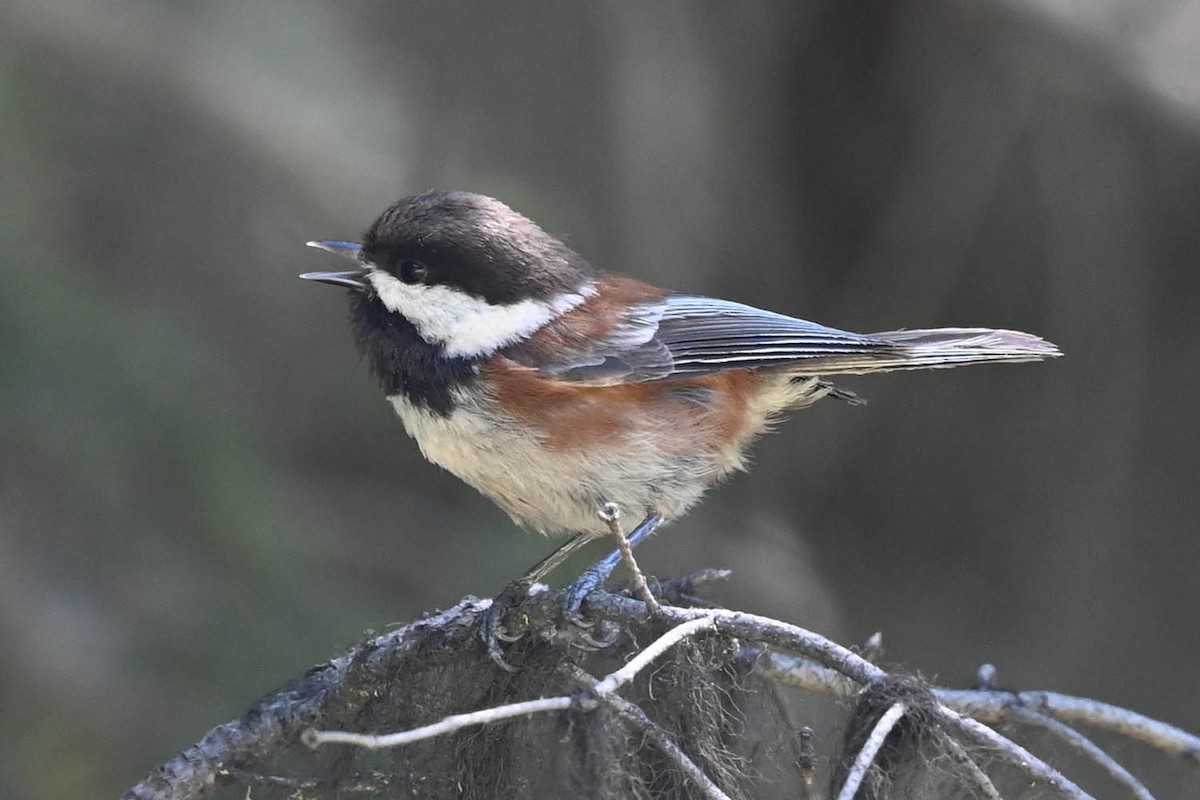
(935, 347)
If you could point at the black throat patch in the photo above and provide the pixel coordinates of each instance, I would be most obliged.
(404, 363)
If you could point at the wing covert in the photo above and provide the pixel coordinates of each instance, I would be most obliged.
(705, 334)
(689, 335)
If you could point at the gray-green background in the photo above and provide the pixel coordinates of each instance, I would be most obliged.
(202, 493)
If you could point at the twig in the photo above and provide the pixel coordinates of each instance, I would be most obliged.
(1084, 746)
(772, 632)
(617, 679)
(806, 761)
(978, 777)
(872, 648)
(797, 672)
(870, 749)
(751, 627)
(450, 724)
(610, 514)
(276, 722)
(1016, 755)
(651, 729)
(804, 673)
(455, 722)
(990, 706)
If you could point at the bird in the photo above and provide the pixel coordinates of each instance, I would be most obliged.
(558, 390)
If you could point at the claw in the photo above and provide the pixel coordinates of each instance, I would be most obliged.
(592, 643)
(504, 636)
(490, 630)
(491, 626)
(579, 622)
(497, 656)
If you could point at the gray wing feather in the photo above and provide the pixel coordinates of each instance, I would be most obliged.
(689, 335)
(705, 334)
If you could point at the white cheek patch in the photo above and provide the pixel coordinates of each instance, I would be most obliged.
(468, 326)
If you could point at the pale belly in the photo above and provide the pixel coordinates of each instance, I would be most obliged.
(552, 492)
(555, 490)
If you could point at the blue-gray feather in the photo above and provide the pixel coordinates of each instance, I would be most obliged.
(690, 335)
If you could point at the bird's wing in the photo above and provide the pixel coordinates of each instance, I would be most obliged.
(684, 336)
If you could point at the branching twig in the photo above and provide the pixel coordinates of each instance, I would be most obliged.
(799, 672)
(276, 722)
(1016, 755)
(841, 659)
(656, 648)
(750, 627)
(991, 706)
(974, 772)
(870, 748)
(456, 722)
(821, 665)
(1084, 746)
(654, 732)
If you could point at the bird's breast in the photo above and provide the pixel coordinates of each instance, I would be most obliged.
(551, 453)
(509, 463)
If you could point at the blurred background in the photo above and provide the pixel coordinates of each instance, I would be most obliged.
(203, 492)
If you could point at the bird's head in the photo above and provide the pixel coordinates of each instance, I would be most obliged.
(470, 274)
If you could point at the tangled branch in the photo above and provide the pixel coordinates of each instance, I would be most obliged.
(895, 715)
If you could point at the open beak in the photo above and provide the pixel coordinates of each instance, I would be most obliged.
(354, 279)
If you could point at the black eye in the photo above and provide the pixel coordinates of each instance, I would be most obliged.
(413, 271)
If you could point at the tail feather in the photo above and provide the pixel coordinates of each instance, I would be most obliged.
(937, 348)
(949, 346)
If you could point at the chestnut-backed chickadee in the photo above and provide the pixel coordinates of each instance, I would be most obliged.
(555, 388)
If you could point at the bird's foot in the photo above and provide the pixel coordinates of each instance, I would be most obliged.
(491, 627)
(595, 576)
(589, 581)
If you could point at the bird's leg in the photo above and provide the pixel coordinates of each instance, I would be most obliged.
(596, 574)
(491, 628)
